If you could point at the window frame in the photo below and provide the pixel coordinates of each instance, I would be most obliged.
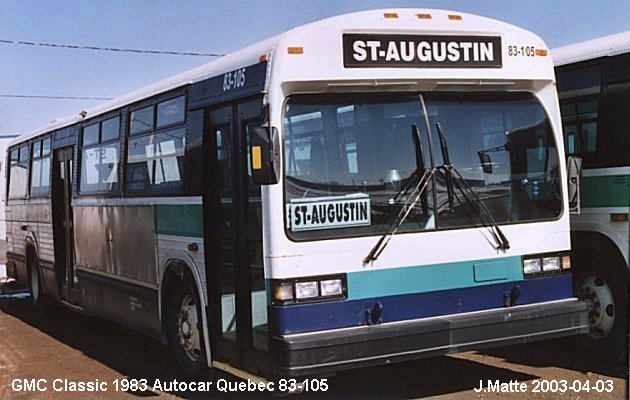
(99, 121)
(157, 126)
(557, 141)
(581, 142)
(153, 120)
(18, 148)
(183, 189)
(40, 141)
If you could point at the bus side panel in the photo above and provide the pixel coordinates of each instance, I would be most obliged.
(117, 240)
(32, 220)
(116, 264)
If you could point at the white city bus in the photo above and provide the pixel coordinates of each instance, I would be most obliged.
(370, 188)
(594, 89)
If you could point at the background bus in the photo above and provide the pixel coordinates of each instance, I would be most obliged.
(594, 89)
(245, 211)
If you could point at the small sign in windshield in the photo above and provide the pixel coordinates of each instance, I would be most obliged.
(329, 212)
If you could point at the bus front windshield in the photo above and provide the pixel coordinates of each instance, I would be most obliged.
(351, 162)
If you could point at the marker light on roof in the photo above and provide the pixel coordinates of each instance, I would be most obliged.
(541, 52)
(424, 16)
(454, 17)
(295, 50)
(390, 15)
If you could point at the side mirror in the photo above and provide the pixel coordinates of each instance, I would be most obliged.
(574, 167)
(486, 162)
(264, 152)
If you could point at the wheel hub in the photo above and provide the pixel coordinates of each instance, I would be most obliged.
(188, 332)
(596, 291)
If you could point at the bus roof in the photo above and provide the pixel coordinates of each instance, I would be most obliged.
(441, 21)
(604, 46)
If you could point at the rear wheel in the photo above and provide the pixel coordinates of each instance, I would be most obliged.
(186, 330)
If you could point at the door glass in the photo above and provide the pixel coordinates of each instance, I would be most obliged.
(254, 209)
(257, 277)
(258, 296)
(224, 177)
(227, 288)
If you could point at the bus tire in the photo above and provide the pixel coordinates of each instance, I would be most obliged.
(185, 330)
(606, 293)
(35, 287)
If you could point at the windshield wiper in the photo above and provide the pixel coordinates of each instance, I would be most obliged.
(486, 216)
(447, 161)
(419, 191)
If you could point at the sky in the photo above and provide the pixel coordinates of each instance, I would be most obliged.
(210, 26)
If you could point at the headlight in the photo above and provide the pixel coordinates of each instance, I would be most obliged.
(551, 264)
(531, 266)
(306, 290)
(541, 265)
(331, 287)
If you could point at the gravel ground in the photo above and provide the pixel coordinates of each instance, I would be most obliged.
(59, 344)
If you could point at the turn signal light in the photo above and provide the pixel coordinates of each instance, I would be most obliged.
(566, 262)
(295, 50)
(541, 52)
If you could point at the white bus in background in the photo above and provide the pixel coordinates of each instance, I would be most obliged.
(370, 188)
(593, 79)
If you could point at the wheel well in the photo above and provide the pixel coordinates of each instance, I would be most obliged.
(589, 245)
(176, 273)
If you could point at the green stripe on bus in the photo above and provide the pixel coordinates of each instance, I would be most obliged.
(179, 220)
(605, 191)
(429, 278)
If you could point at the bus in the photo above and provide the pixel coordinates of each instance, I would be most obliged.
(370, 188)
(594, 90)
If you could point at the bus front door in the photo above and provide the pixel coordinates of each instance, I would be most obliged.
(232, 204)
(63, 226)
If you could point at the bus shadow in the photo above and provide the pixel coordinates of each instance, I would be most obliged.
(417, 379)
(134, 355)
(560, 353)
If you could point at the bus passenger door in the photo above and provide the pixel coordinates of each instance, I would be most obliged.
(63, 226)
(237, 297)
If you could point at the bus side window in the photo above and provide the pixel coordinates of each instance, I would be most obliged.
(18, 173)
(40, 171)
(99, 157)
(616, 141)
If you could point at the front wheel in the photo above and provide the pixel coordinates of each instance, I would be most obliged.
(34, 284)
(186, 331)
(606, 297)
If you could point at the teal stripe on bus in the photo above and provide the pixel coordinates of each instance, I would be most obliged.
(605, 191)
(179, 220)
(430, 278)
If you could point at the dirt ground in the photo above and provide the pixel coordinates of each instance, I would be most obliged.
(59, 344)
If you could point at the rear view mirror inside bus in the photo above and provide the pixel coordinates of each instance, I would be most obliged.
(264, 153)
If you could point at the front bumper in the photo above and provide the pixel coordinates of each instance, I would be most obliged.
(338, 349)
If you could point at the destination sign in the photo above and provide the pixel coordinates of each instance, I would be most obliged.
(329, 212)
(421, 51)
